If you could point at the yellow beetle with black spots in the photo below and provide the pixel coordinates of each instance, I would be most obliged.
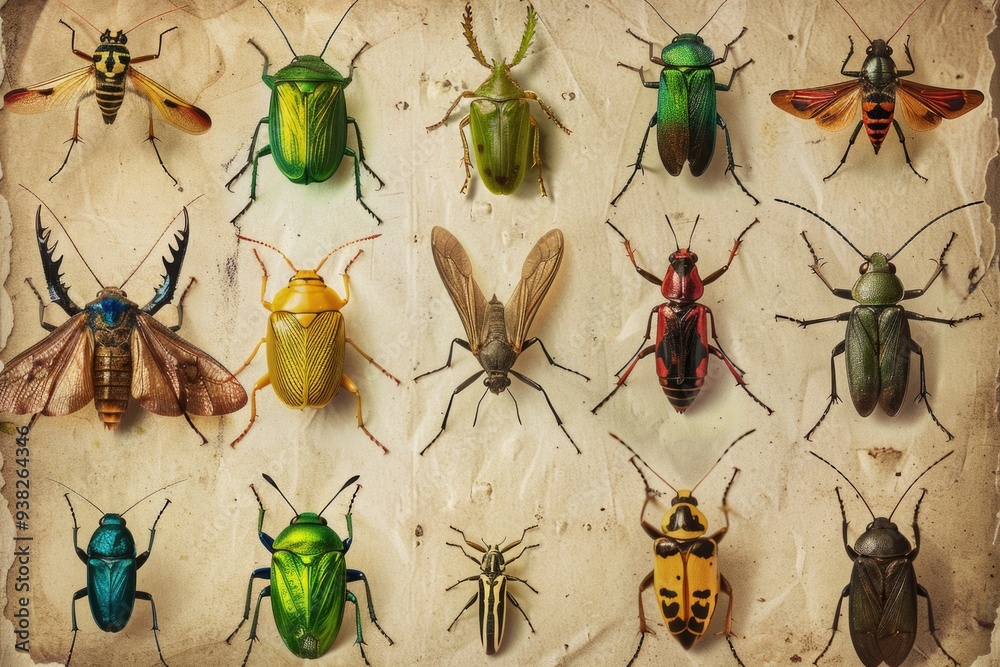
(686, 576)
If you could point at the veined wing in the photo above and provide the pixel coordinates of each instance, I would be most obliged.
(455, 268)
(53, 94)
(833, 107)
(177, 112)
(537, 274)
(924, 106)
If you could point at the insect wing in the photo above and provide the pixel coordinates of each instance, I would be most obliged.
(492, 611)
(673, 138)
(56, 93)
(925, 106)
(833, 107)
(537, 274)
(702, 119)
(112, 585)
(686, 580)
(883, 610)
(177, 112)
(455, 268)
(54, 375)
(306, 363)
(170, 376)
(308, 600)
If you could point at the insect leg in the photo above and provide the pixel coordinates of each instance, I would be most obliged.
(41, 307)
(624, 376)
(361, 152)
(370, 360)
(264, 381)
(357, 182)
(466, 160)
(817, 267)
(72, 141)
(923, 393)
(263, 152)
(513, 578)
(140, 560)
(725, 52)
(631, 256)
(536, 155)
(349, 385)
(914, 293)
(850, 52)
(468, 604)
(143, 595)
(72, 43)
(152, 139)
(142, 59)
(259, 573)
(728, 590)
(733, 368)
(517, 542)
(469, 94)
(921, 591)
(637, 165)
(837, 350)
(843, 317)
(851, 143)
(470, 543)
(851, 553)
(252, 355)
(643, 629)
(731, 165)
(836, 620)
(447, 411)
(732, 75)
(548, 111)
(653, 58)
(516, 605)
(534, 385)
(642, 76)
(264, 592)
(712, 277)
(180, 306)
(909, 58)
(81, 554)
(358, 575)
(359, 638)
(82, 593)
(906, 153)
(531, 341)
(923, 318)
(447, 364)
(253, 146)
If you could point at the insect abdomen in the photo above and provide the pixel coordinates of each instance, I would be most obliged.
(681, 355)
(112, 373)
(111, 61)
(877, 110)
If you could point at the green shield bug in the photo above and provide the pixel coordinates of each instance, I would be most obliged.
(309, 577)
(882, 593)
(492, 593)
(686, 119)
(504, 132)
(877, 345)
(307, 121)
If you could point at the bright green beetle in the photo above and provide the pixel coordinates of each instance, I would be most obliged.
(503, 131)
(309, 577)
(877, 345)
(307, 121)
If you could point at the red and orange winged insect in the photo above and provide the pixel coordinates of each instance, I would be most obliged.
(875, 87)
(109, 76)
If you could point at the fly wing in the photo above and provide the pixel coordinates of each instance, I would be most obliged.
(537, 274)
(170, 376)
(56, 93)
(924, 106)
(455, 268)
(53, 376)
(833, 107)
(177, 112)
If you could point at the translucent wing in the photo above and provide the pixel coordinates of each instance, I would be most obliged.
(925, 106)
(177, 112)
(832, 107)
(537, 274)
(56, 93)
(170, 376)
(53, 376)
(455, 269)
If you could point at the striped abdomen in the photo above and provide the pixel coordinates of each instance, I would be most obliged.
(111, 62)
(112, 372)
(877, 109)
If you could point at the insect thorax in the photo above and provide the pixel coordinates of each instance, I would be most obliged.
(878, 284)
(882, 539)
(500, 85)
(308, 535)
(684, 521)
(687, 50)
(879, 69)
(112, 539)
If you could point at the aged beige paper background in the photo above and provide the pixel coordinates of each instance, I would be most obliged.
(783, 553)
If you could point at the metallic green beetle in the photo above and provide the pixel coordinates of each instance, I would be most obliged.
(686, 119)
(878, 345)
(503, 131)
(307, 122)
(309, 578)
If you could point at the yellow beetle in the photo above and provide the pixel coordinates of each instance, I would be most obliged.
(306, 341)
(686, 575)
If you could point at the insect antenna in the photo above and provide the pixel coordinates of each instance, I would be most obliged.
(71, 242)
(635, 455)
(282, 31)
(849, 481)
(271, 482)
(157, 241)
(709, 18)
(830, 225)
(918, 477)
(859, 27)
(337, 26)
(153, 494)
(665, 20)
(84, 19)
(905, 20)
(517, 412)
(957, 208)
(720, 459)
(529, 33)
(268, 245)
(169, 11)
(340, 247)
(671, 226)
(346, 484)
(72, 489)
(691, 238)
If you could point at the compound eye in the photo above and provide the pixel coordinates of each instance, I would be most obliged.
(868, 51)
(863, 268)
(892, 269)
(694, 258)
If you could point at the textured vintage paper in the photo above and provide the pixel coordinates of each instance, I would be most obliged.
(783, 554)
